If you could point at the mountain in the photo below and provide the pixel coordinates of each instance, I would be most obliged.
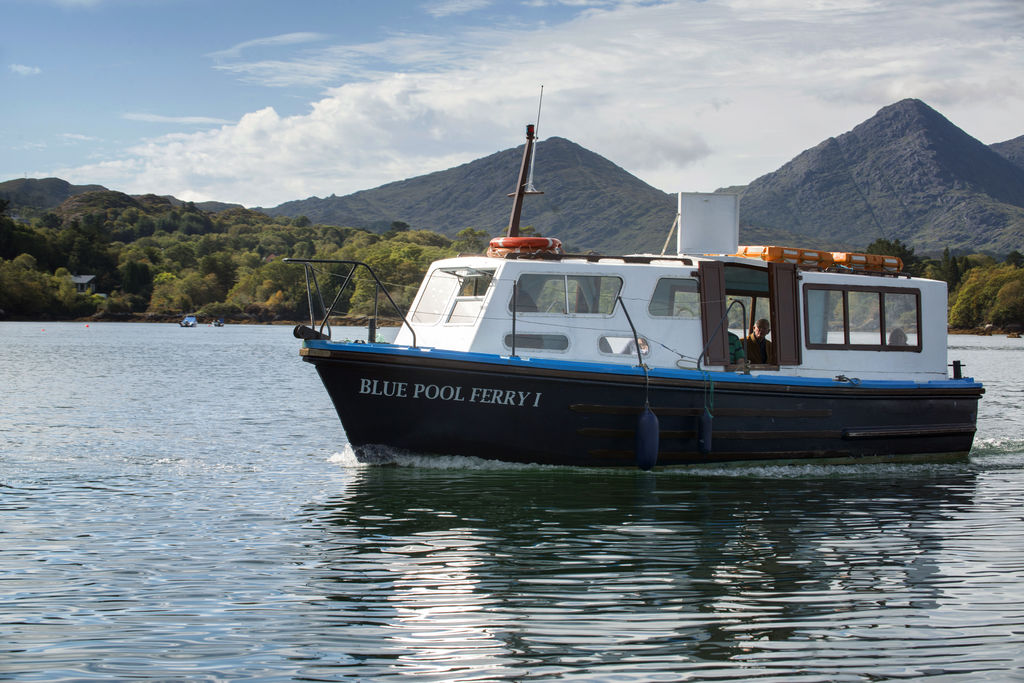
(588, 202)
(1012, 150)
(44, 194)
(41, 193)
(906, 173)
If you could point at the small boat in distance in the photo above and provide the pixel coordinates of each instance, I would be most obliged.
(188, 321)
(529, 354)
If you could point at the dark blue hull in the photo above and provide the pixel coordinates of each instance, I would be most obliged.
(443, 403)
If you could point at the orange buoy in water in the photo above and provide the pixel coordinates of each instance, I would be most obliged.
(500, 246)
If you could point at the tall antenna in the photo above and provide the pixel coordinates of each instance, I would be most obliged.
(529, 180)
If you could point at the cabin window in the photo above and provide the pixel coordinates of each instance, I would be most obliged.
(469, 299)
(622, 346)
(566, 294)
(866, 318)
(675, 298)
(434, 299)
(901, 317)
(826, 317)
(548, 342)
(465, 311)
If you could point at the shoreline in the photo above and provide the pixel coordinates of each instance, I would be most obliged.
(339, 321)
(161, 318)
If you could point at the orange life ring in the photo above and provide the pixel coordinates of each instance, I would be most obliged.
(499, 246)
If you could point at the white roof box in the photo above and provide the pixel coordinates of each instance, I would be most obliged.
(709, 223)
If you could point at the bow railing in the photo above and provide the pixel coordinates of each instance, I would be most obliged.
(314, 295)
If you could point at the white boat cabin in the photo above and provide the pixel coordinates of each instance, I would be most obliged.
(879, 325)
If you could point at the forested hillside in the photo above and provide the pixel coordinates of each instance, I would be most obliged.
(152, 258)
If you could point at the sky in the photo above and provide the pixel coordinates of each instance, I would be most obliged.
(259, 102)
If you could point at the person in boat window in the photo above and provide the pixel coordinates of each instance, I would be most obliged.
(759, 348)
(736, 354)
(897, 337)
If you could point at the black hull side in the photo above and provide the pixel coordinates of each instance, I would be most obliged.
(562, 416)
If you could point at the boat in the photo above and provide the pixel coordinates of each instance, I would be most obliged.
(530, 354)
(188, 321)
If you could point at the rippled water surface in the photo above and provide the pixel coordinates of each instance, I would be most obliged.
(179, 504)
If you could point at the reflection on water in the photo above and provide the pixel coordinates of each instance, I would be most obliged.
(554, 573)
(174, 506)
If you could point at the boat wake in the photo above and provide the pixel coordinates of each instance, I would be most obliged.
(346, 458)
(998, 446)
(987, 453)
(386, 456)
(998, 453)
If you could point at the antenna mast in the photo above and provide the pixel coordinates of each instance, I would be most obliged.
(529, 181)
(524, 185)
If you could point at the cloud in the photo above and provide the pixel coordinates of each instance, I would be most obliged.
(685, 94)
(444, 8)
(23, 70)
(252, 61)
(185, 120)
(284, 39)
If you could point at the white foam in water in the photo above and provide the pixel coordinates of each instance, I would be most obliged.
(810, 470)
(998, 446)
(347, 458)
(384, 455)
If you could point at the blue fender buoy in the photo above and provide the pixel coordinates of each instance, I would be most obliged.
(704, 432)
(647, 439)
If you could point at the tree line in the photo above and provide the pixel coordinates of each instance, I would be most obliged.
(227, 264)
(161, 260)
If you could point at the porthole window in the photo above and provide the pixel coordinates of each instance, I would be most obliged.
(547, 342)
(622, 346)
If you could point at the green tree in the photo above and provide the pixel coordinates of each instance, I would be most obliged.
(275, 288)
(49, 220)
(24, 291)
(985, 295)
(397, 227)
(167, 296)
(222, 268)
(181, 254)
(1008, 307)
(136, 278)
(949, 270)
(470, 241)
(911, 263)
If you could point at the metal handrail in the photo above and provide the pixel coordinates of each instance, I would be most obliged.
(636, 337)
(329, 310)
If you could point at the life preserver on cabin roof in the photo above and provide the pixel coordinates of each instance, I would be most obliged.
(499, 246)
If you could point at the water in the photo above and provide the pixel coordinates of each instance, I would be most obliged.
(179, 504)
